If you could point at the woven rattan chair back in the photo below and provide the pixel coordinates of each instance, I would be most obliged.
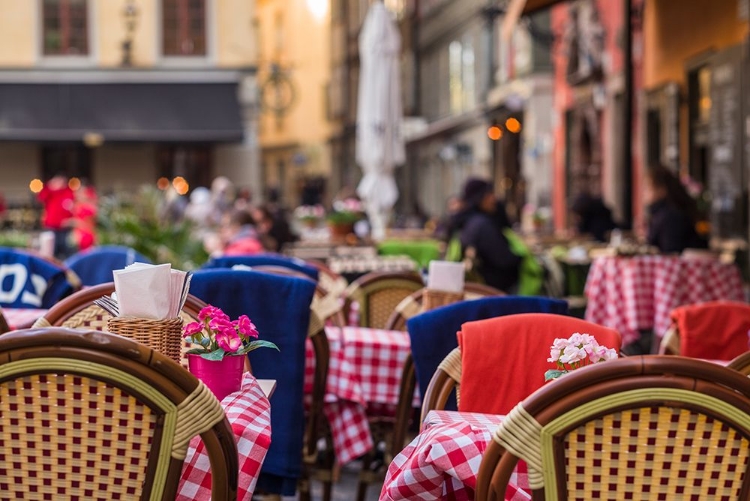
(329, 280)
(103, 417)
(378, 294)
(78, 311)
(646, 428)
(413, 304)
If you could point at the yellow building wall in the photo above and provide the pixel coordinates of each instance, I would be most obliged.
(110, 32)
(676, 30)
(235, 37)
(17, 32)
(291, 35)
(232, 36)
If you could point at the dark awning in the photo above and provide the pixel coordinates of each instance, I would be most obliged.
(153, 112)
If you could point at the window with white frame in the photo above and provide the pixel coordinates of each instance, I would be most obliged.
(65, 28)
(184, 27)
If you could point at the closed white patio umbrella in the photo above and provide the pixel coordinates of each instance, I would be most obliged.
(380, 147)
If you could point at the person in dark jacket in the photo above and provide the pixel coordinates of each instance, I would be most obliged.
(593, 217)
(672, 213)
(480, 226)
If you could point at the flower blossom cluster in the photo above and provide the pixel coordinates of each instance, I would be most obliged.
(215, 330)
(348, 205)
(309, 212)
(579, 350)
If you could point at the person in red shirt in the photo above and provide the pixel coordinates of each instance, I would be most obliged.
(240, 236)
(84, 214)
(58, 201)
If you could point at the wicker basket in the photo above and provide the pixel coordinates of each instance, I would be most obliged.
(434, 298)
(164, 336)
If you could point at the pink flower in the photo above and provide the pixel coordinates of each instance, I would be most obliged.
(192, 329)
(219, 324)
(228, 340)
(245, 327)
(211, 312)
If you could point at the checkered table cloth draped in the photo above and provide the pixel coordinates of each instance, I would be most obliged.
(19, 318)
(633, 293)
(249, 413)
(442, 462)
(365, 369)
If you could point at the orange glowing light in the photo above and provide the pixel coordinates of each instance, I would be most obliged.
(74, 183)
(513, 125)
(162, 183)
(180, 185)
(494, 133)
(36, 185)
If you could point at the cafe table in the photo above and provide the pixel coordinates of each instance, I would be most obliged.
(364, 374)
(22, 318)
(630, 294)
(442, 462)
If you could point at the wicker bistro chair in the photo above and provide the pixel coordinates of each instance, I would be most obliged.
(378, 294)
(649, 428)
(393, 430)
(103, 418)
(78, 311)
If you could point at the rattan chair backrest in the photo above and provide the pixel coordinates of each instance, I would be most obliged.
(103, 417)
(378, 294)
(413, 304)
(649, 427)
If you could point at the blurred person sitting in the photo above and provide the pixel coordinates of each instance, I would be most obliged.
(239, 234)
(479, 231)
(673, 213)
(222, 198)
(275, 218)
(593, 217)
(58, 199)
(200, 208)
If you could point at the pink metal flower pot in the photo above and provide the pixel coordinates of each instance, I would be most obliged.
(221, 376)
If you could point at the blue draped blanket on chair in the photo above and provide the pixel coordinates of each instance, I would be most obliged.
(263, 260)
(279, 306)
(95, 266)
(433, 333)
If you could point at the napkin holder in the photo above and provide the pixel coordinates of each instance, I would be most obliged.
(164, 336)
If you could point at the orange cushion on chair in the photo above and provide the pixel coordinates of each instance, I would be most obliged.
(504, 359)
(715, 330)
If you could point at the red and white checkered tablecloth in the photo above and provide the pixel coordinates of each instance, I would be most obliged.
(442, 462)
(634, 293)
(19, 318)
(249, 413)
(365, 369)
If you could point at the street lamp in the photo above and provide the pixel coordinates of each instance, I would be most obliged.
(130, 14)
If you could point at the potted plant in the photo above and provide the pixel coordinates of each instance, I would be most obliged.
(309, 215)
(345, 213)
(577, 351)
(219, 357)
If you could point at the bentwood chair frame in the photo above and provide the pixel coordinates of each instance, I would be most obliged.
(741, 364)
(682, 424)
(103, 382)
(378, 294)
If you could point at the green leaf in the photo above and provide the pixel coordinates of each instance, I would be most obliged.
(196, 351)
(255, 345)
(217, 354)
(553, 374)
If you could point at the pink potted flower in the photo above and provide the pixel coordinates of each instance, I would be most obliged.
(576, 351)
(221, 344)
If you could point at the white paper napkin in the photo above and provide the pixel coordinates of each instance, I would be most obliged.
(145, 291)
(446, 276)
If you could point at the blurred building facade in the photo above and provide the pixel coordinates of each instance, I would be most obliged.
(293, 73)
(124, 92)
